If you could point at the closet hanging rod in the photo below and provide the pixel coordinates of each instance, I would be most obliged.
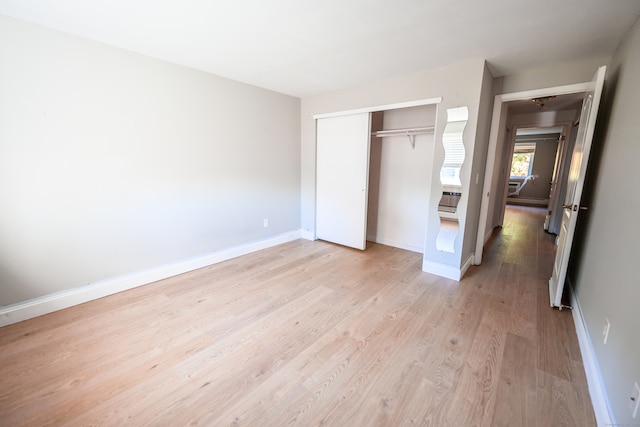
(407, 131)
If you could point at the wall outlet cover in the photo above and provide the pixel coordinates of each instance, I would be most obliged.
(605, 331)
(634, 403)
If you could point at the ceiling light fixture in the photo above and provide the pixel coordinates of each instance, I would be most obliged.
(540, 102)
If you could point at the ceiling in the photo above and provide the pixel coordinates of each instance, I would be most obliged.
(303, 47)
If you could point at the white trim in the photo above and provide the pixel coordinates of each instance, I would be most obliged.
(550, 91)
(493, 141)
(597, 391)
(57, 301)
(442, 270)
(308, 235)
(488, 176)
(417, 103)
(488, 236)
(447, 271)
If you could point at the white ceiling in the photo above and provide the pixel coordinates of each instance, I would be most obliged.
(303, 47)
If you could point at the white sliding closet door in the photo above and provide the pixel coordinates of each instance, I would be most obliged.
(342, 179)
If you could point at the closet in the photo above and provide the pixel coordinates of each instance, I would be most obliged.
(374, 175)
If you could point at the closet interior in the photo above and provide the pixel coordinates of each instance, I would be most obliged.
(400, 162)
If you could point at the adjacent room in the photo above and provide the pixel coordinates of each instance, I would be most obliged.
(337, 213)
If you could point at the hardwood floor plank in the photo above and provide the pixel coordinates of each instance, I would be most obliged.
(479, 377)
(524, 312)
(351, 364)
(516, 394)
(554, 353)
(559, 403)
(388, 342)
(311, 333)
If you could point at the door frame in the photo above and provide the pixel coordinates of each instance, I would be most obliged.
(491, 176)
(384, 107)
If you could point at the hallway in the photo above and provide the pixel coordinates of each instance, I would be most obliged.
(542, 360)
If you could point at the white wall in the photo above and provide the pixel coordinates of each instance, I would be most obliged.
(458, 85)
(112, 162)
(603, 269)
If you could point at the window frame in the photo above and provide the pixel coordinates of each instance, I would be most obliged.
(523, 148)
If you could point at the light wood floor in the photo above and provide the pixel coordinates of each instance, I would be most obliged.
(310, 333)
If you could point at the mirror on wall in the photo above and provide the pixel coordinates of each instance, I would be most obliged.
(454, 154)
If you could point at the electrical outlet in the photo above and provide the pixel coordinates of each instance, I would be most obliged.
(605, 331)
(265, 222)
(634, 404)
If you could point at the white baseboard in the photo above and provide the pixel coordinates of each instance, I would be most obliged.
(57, 301)
(599, 399)
(308, 235)
(447, 271)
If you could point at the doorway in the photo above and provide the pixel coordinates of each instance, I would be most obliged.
(543, 108)
(571, 206)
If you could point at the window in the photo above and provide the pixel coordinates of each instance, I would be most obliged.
(522, 163)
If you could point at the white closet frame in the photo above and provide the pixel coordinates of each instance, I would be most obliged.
(369, 110)
(417, 103)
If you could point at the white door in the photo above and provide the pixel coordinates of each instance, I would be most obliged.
(556, 185)
(342, 179)
(577, 171)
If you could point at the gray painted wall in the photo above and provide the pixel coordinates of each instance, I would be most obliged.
(112, 162)
(478, 161)
(603, 263)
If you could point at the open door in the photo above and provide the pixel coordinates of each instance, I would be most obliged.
(556, 184)
(577, 171)
(342, 179)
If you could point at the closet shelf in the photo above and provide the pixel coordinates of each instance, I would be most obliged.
(408, 132)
